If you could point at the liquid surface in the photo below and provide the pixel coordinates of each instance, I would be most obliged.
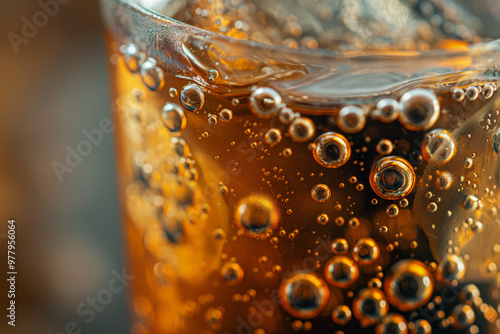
(265, 200)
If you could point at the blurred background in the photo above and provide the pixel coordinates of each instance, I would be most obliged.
(53, 87)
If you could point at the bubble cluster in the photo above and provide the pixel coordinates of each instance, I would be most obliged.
(256, 214)
(420, 110)
(351, 119)
(303, 295)
(265, 102)
(192, 97)
(409, 285)
(331, 150)
(392, 178)
(438, 146)
(341, 271)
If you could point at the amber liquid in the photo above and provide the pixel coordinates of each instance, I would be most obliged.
(242, 216)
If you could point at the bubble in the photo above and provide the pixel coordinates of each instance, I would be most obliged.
(179, 146)
(286, 115)
(303, 295)
(192, 97)
(392, 210)
(409, 285)
(321, 193)
(226, 115)
(462, 316)
(488, 91)
(388, 110)
(302, 129)
(392, 178)
(256, 214)
(173, 228)
(421, 326)
(438, 146)
(472, 93)
(450, 269)
(152, 75)
(287, 152)
(392, 324)
(342, 314)
(365, 251)
(470, 202)
(174, 118)
(420, 110)
(369, 306)
(432, 207)
(341, 271)
(354, 222)
(496, 142)
(469, 293)
(212, 120)
(383, 229)
(132, 57)
(322, 219)
(265, 102)
(375, 283)
(231, 273)
(403, 203)
(332, 150)
(172, 92)
(458, 94)
(384, 147)
(339, 246)
(444, 180)
(273, 136)
(351, 119)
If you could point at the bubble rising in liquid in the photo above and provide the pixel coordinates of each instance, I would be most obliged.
(192, 97)
(420, 110)
(256, 214)
(265, 102)
(273, 136)
(301, 130)
(231, 273)
(450, 269)
(409, 285)
(369, 306)
(303, 295)
(438, 146)
(342, 314)
(392, 178)
(331, 150)
(392, 323)
(365, 251)
(152, 75)
(174, 117)
(387, 110)
(351, 119)
(321, 193)
(341, 271)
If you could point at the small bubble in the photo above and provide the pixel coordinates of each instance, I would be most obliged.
(462, 316)
(226, 115)
(339, 246)
(360, 187)
(470, 202)
(256, 214)
(432, 207)
(265, 102)
(192, 97)
(369, 306)
(488, 91)
(172, 92)
(458, 94)
(450, 269)
(204, 135)
(132, 57)
(403, 203)
(231, 273)
(287, 152)
(392, 178)
(444, 180)
(438, 146)
(273, 136)
(322, 219)
(385, 147)
(218, 234)
(212, 120)
(421, 326)
(302, 129)
(468, 163)
(365, 251)
(354, 222)
(321, 193)
(342, 314)
(392, 210)
(340, 271)
(383, 229)
(392, 323)
(303, 295)
(472, 93)
(388, 110)
(420, 110)
(152, 75)
(286, 115)
(339, 221)
(332, 150)
(174, 117)
(351, 119)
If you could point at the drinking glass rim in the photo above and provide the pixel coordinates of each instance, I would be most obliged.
(478, 49)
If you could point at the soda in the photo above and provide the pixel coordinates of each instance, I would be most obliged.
(271, 190)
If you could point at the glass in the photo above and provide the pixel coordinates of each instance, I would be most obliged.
(296, 166)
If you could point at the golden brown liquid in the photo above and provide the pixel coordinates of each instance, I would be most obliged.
(244, 216)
